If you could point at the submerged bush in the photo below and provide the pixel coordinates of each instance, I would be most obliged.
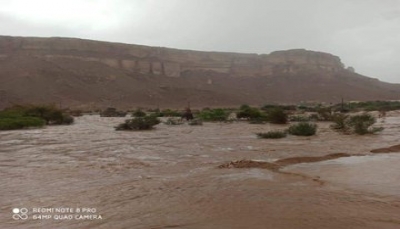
(277, 116)
(19, 117)
(339, 122)
(303, 129)
(138, 113)
(20, 123)
(272, 134)
(112, 112)
(140, 123)
(358, 124)
(169, 113)
(248, 112)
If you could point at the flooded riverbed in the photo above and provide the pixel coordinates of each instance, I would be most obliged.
(169, 177)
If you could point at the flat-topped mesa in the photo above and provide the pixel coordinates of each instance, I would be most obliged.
(301, 58)
(165, 61)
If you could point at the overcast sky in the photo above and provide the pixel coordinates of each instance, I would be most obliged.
(365, 34)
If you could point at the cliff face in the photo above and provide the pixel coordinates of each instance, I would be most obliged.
(168, 62)
(92, 74)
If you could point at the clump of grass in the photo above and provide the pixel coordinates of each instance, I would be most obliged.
(303, 129)
(140, 123)
(272, 134)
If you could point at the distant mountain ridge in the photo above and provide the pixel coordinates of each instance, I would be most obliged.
(93, 74)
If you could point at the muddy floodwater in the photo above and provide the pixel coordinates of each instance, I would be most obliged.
(88, 175)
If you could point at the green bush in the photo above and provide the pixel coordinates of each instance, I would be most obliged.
(170, 113)
(18, 117)
(303, 129)
(20, 122)
(254, 115)
(138, 113)
(361, 124)
(213, 115)
(272, 134)
(140, 123)
(358, 124)
(51, 114)
(277, 116)
(112, 112)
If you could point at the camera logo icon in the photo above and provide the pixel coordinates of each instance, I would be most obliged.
(20, 213)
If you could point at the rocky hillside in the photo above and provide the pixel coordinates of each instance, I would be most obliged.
(92, 74)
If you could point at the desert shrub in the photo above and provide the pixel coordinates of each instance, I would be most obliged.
(253, 114)
(358, 124)
(112, 112)
(138, 113)
(67, 119)
(272, 134)
(170, 113)
(372, 106)
(140, 123)
(361, 124)
(49, 113)
(324, 114)
(277, 116)
(213, 115)
(303, 129)
(20, 122)
(339, 122)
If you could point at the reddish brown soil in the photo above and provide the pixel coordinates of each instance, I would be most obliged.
(392, 149)
(297, 160)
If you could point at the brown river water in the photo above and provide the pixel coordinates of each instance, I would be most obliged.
(169, 178)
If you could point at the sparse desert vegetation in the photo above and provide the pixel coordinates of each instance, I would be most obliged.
(213, 115)
(360, 124)
(112, 112)
(277, 116)
(138, 113)
(303, 129)
(30, 116)
(139, 123)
